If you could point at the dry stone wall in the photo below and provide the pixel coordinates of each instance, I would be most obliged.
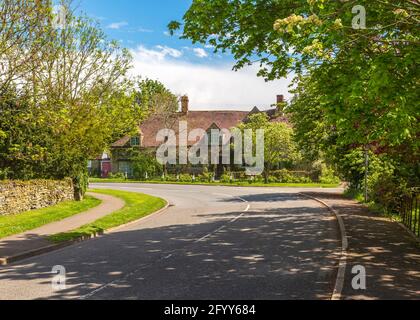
(21, 196)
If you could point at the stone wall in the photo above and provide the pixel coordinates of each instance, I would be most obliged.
(21, 196)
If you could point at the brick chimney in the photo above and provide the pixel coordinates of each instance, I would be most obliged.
(280, 98)
(184, 104)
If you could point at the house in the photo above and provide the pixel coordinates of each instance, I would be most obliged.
(207, 120)
(101, 166)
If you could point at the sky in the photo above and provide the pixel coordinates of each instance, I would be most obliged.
(207, 78)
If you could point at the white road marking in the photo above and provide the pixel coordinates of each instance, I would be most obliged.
(231, 221)
(170, 255)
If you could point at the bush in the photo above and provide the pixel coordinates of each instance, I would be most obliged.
(225, 178)
(118, 175)
(171, 178)
(185, 178)
(144, 163)
(328, 176)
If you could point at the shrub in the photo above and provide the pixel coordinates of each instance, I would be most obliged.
(185, 178)
(144, 163)
(328, 176)
(118, 175)
(225, 178)
(171, 178)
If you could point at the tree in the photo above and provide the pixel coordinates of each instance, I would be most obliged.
(21, 38)
(145, 163)
(368, 74)
(153, 96)
(76, 99)
(356, 86)
(278, 141)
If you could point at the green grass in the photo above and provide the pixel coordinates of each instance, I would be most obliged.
(136, 207)
(371, 205)
(234, 184)
(15, 224)
(378, 209)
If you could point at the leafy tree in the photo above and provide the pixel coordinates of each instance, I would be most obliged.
(356, 88)
(76, 99)
(278, 141)
(145, 163)
(153, 96)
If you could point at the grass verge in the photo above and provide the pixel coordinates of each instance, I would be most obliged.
(371, 205)
(136, 207)
(15, 224)
(235, 184)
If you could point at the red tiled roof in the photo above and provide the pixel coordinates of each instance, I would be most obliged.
(195, 119)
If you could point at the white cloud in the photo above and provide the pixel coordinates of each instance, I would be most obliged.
(167, 51)
(159, 53)
(201, 53)
(141, 29)
(208, 87)
(117, 25)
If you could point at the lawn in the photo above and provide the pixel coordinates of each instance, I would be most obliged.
(234, 184)
(18, 223)
(136, 207)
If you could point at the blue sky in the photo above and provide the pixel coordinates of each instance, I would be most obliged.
(207, 78)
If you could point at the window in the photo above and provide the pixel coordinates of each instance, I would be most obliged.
(89, 164)
(126, 168)
(135, 141)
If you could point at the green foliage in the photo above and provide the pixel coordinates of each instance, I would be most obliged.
(76, 102)
(185, 178)
(80, 184)
(154, 97)
(145, 163)
(279, 146)
(328, 177)
(226, 178)
(118, 175)
(355, 88)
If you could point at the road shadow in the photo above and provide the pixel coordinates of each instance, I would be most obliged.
(389, 254)
(265, 254)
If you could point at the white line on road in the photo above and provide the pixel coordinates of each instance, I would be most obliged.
(231, 221)
(170, 255)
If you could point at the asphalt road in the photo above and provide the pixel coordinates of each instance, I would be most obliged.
(211, 243)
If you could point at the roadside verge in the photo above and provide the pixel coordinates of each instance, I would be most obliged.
(136, 208)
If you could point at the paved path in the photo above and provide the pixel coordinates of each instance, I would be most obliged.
(212, 243)
(36, 239)
(389, 254)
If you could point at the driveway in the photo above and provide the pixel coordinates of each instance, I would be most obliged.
(211, 243)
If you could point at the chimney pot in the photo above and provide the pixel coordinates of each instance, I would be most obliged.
(184, 104)
(280, 98)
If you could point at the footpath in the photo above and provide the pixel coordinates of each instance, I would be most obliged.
(390, 255)
(36, 242)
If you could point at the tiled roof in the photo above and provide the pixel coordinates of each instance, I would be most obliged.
(195, 119)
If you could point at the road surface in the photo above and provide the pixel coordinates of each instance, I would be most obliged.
(211, 243)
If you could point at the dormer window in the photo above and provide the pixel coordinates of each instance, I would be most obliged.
(135, 141)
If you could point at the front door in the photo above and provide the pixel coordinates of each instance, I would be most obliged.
(106, 168)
